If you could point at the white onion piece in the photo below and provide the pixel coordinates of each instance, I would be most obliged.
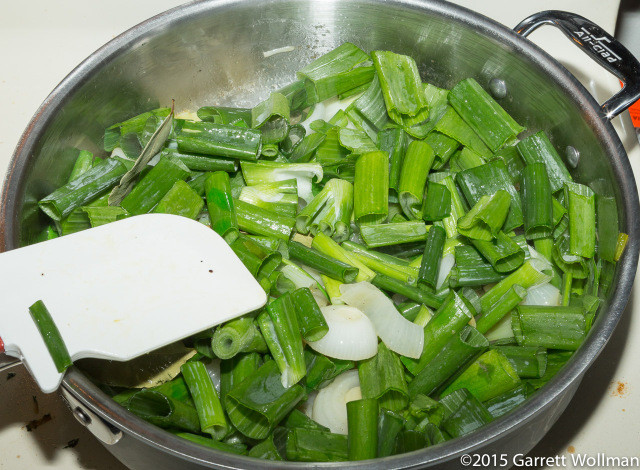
(279, 50)
(307, 406)
(351, 335)
(540, 262)
(333, 105)
(189, 115)
(316, 113)
(501, 330)
(118, 152)
(446, 264)
(330, 406)
(546, 294)
(399, 334)
(321, 298)
(213, 369)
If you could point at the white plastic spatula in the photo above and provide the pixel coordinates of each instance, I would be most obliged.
(121, 290)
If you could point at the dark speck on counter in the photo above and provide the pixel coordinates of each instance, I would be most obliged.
(72, 443)
(34, 424)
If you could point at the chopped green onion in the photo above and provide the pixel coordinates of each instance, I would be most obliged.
(453, 126)
(487, 377)
(312, 323)
(409, 441)
(371, 188)
(369, 112)
(153, 186)
(415, 293)
(297, 419)
(415, 169)
(537, 201)
(437, 202)
(582, 219)
(272, 118)
(336, 72)
(223, 140)
(465, 159)
(464, 413)
(236, 336)
(326, 245)
(456, 352)
(487, 179)
(485, 116)
(280, 197)
(402, 91)
(303, 152)
(321, 370)
(82, 190)
(259, 221)
(382, 378)
(309, 445)
(528, 361)
(163, 410)
(443, 148)
(258, 403)
(51, 336)
(486, 217)
(153, 146)
(503, 252)
(607, 227)
(502, 404)
(433, 249)
(268, 172)
(235, 370)
(179, 200)
(382, 263)
(458, 207)
(538, 148)
(393, 234)
(390, 425)
(449, 320)
(286, 347)
(362, 418)
(530, 274)
(224, 115)
(205, 398)
(549, 327)
(394, 141)
(620, 245)
(472, 270)
(323, 262)
(329, 212)
(260, 261)
(511, 298)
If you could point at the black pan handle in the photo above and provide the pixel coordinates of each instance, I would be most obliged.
(607, 51)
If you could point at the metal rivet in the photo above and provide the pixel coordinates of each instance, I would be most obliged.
(498, 88)
(573, 156)
(81, 416)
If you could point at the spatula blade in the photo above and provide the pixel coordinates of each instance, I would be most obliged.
(121, 290)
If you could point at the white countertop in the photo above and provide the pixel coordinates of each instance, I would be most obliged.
(41, 41)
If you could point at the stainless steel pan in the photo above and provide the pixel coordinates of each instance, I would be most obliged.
(213, 52)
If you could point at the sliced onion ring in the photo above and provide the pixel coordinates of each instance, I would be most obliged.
(330, 406)
(399, 334)
(351, 335)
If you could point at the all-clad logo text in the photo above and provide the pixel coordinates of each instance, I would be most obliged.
(599, 45)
